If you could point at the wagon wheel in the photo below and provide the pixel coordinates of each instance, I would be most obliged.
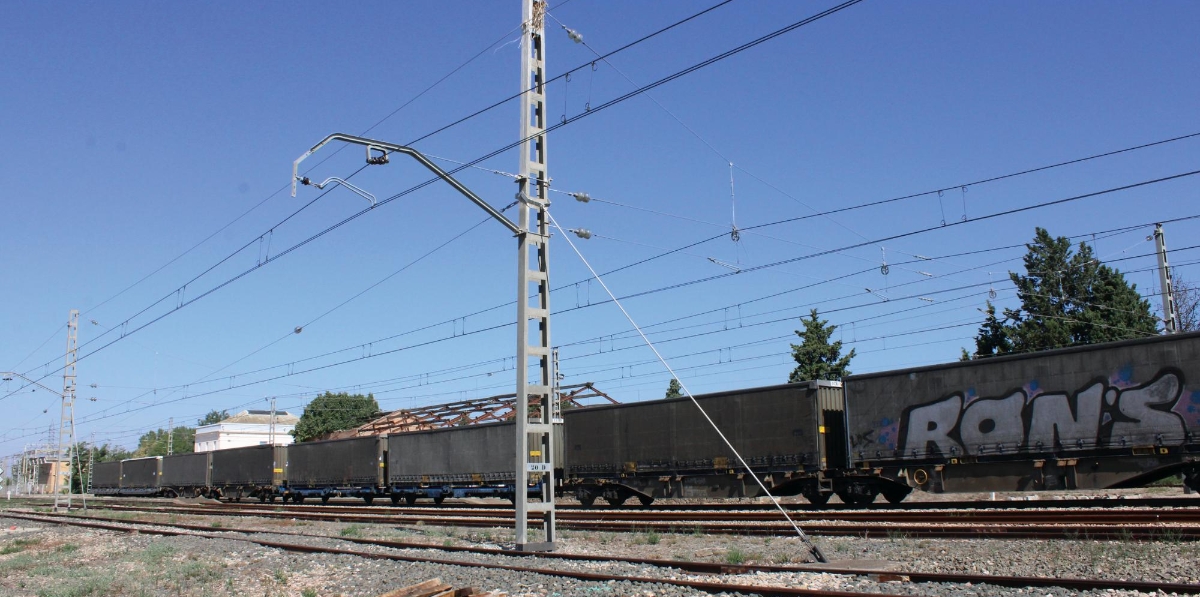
(368, 499)
(586, 498)
(395, 500)
(325, 499)
(819, 499)
(615, 501)
(410, 500)
(439, 499)
(297, 499)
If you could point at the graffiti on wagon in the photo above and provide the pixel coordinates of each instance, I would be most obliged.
(1103, 412)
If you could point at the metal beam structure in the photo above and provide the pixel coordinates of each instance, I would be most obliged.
(475, 411)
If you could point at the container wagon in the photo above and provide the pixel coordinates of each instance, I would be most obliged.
(140, 476)
(254, 471)
(1098, 416)
(106, 478)
(792, 437)
(186, 475)
(346, 467)
(471, 461)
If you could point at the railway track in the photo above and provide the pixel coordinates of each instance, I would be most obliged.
(696, 568)
(1149, 525)
(668, 505)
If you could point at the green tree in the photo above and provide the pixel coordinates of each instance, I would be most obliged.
(154, 443)
(817, 357)
(213, 417)
(992, 338)
(674, 390)
(331, 412)
(1068, 298)
(88, 455)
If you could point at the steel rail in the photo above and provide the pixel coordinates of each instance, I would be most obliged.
(1125, 516)
(708, 587)
(662, 505)
(966, 529)
(1081, 584)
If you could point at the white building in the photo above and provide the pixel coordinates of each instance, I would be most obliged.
(247, 428)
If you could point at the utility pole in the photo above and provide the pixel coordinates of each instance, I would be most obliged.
(272, 421)
(1170, 318)
(533, 263)
(535, 438)
(66, 426)
(170, 436)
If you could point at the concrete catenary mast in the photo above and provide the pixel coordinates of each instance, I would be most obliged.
(535, 437)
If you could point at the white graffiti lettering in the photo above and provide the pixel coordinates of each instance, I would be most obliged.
(1097, 415)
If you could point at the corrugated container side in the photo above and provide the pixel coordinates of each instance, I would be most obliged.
(106, 475)
(1125, 394)
(141, 473)
(186, 470)
(766, 425)
(252, 465)
(346, 462)
(484, 452)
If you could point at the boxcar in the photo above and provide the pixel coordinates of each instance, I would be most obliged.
(792, 436)
(345, 467)
(1097, 416)
(477, 460)
(186, 474)
(106, 478)
(254, 471)
(140, 476)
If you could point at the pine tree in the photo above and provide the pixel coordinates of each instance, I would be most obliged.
(993, 336)
(1068, 298)
(674, 390)
(816, 357)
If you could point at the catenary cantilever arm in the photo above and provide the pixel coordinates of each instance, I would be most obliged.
(7, 375)
(391, 147)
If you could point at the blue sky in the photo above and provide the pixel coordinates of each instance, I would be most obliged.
(135, 131)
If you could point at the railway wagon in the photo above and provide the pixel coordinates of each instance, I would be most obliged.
(471, 461)
(106, 478)
(792, 436)
(140, 476)
(325, 469)
(1098, 416)
(187, 475)
(253, 471)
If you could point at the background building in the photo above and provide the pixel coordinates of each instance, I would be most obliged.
(247, 428)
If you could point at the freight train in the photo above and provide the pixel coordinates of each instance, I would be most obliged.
(1110, 415)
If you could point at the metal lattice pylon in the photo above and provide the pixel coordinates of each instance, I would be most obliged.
(66, 426)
